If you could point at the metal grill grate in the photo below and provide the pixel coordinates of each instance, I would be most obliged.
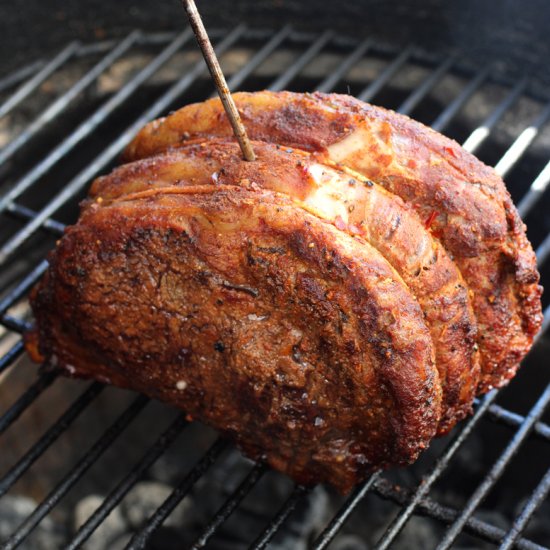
(30, 223)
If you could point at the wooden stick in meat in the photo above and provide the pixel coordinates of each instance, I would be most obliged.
(219, 79)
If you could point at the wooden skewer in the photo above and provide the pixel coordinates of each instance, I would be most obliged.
(221, 85)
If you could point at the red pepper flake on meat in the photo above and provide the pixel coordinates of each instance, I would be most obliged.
(430, 219)
(450, 151)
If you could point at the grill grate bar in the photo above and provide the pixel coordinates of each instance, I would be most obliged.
(543, 250)
(454, 107)
(258, 59)
(513, 420)
(344, 513)
(302, 61)
(93, 121)
(439, 467)
(481, 133)
(16, 325)
(88, 460)
(230, 505)
(23, 287)
(372, 89)
(149, 39)
(545, 322)
(286, 509)
(535, 192)
(20, 74)
(11, 355)
(531, 506)
(31, 85)
(32, 392)
(496, 471)
(107, 155)
(522, 142)
(356, 55)
(21, 212)
(416, 96)
(429, 508)
(178, 494)
(51, 435)
(118, 493)
(63, 101)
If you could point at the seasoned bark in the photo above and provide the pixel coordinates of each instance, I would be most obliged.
(299, 342)
(352, 204)
(464, 203)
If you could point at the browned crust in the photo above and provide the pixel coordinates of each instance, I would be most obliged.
(354, 205)
(171, 288)
(466, 202)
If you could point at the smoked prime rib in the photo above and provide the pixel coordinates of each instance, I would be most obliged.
(330, 307)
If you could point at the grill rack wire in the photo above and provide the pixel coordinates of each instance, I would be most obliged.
(27, 81)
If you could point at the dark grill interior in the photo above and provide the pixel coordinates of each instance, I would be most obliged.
(65, 120)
